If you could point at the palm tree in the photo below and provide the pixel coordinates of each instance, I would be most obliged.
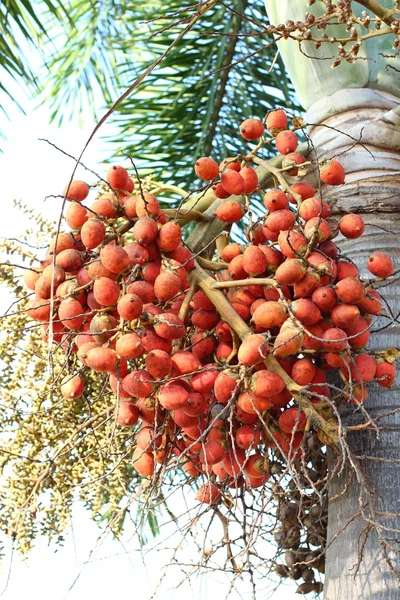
(359, 101)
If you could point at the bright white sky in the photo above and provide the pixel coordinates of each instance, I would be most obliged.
(30, 170)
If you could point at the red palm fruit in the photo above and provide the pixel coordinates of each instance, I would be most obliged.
(70, 313)
(350, 290)
(143, 462)
(102, 327)
(145, 230)
(286, 141)
(288, 341)
(258, 302)
(220, 191)
(147, 206)
(128, 189)
(128, 414)
(166, 286)
(351, 226)
(202, 347)
(292, 243)
(256, 466)
(138, 255)
(230, 163)
(151, 341)
(205, 319)
(337, 361)
(76, 190)
(130, 206)
(234, 461)
(96, 270)
(251, 129)
(203, 382)
(183, 420)
(270, 235)
(385, 374)
(212, 452)
(372, 303)
(380, 265)
(275, 200)
(169, 236)
(358, 395)
(208, 494)
(60, 242)
(303, 371)
(233, 183)
(247, 437)
(362, 368)
(42, 289)
(83, 351)
(319, 384)
(101, 360)
(235, 268)
(129, 307)
(169, 326)
(72, 387)
(266, 383)
(291, 271)
(270, 315)
(185, 362)
(173, 266)
(306, 286)
(274, 258)
(226, 386)
(206, 168)
(277, 121)
(173, 396)
(196, 406)
(105, 206)
(317, 230)
(106, 291)
(306, 311)
(129, 346)
(117, 177)
(303, 189)
(230, 211)
(114, 258)
(253, 350)
(138, 383)
(147, 412)
(358, 333)
(292, 419)
(200, 300)
(325, 298)
(254, 261)
(313, 337)
(183, 256)
(245, 417)
(158, 364)
(92, 302)
(314, 207)
(55, 275)
(345, 269)
(30, 278)
(332, 173)
(335, 340)
(116, 386)
(196, 431)
(250, 179)
(344, 314)
(325, 266)
(329, 248)
(280, 220)
(291, 162)
(223, 351)
(76, 215)
(144, 290)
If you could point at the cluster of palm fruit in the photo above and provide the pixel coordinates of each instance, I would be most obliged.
(221, 371)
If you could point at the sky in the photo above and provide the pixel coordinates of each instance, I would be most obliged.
(30, 170)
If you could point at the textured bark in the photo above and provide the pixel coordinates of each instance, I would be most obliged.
(372, 189)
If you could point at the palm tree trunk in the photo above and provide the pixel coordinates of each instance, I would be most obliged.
(363, 531)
